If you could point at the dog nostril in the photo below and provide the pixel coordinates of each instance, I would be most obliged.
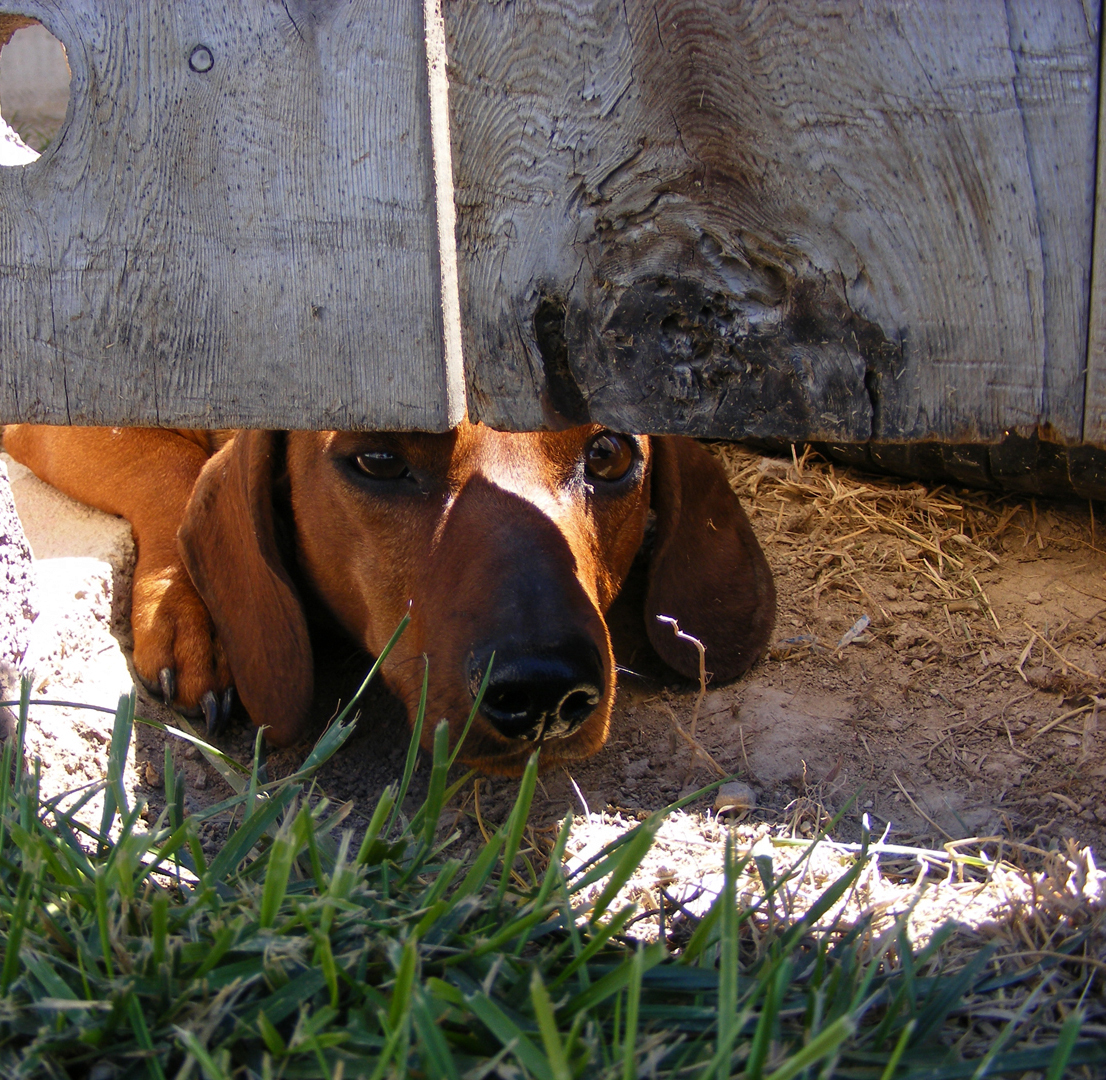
(540, 694)
(577, 707)
(511, 701)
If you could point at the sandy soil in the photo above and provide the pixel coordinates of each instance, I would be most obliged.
(967, 706)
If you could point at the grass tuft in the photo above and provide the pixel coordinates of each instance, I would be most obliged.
(300, 950)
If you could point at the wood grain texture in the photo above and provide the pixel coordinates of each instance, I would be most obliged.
(236, 226)
(831, 220)
(1094, 413)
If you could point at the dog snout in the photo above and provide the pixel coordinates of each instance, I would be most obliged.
(538, 692)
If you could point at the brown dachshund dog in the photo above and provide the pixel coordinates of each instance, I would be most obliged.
(512, 544)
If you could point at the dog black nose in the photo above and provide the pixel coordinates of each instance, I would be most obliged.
(534, 693)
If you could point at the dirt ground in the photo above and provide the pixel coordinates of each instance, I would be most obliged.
(967, 705)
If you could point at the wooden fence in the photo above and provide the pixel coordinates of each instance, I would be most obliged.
(804, 220)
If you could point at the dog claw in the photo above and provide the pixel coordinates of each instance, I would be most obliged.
(225, 705)
(167, 683)
(209, 705)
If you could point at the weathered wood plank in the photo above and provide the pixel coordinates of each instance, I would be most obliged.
(1055, 51)
(831, 220)
(237, 225)
(1094, 415)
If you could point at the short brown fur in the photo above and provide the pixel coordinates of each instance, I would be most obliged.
(231, 526)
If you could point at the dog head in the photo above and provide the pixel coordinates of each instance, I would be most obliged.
(506, 549)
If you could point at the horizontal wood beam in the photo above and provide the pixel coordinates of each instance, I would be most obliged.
(237, 225)
(793, 220)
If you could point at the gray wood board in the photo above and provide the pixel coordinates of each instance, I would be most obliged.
(796, 220)
(1094, 413)
(236, 226)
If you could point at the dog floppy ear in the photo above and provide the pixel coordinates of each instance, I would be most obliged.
(229, 545)
(707, 570)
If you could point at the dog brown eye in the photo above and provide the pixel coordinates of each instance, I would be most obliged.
(381, 464)
(608, 456)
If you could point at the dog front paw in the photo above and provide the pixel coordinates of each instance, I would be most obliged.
(176, 652)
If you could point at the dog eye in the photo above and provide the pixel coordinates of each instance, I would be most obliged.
(381, 464)
(608, 456)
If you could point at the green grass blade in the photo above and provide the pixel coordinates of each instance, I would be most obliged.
(433, 1047)
(342, 880)
(476, 703)
(516, 823)
(230, 769)
(20, 762)
(159, 926)
(11, 760)
(115, 798)
(947, 993)
(614, 981)
(900, 1047)
(483, 865)
(324, 955)
(412, 747)
(822, 1045)
(281, 855)
(396, 634)
(1007, 1033)
(17, 922)
(826, 900)
(255, 775)
(103, 916)
(384, 807)
(633, 1007)
(595, 867)
(144, 1039)
(405, 978)
(40, 966)
(703, 934)
(208, 1066)
(775, 983)
(597, 940)
(273, 1040)
(393, 1048)
(624, 863)
(238, 846)
(728, 1027)
(435, 795)
(554, 873)
(1069, 1033)
(547, 1025)
(514, 931)
(510, 1035)
(336, 735)
(282, 1003)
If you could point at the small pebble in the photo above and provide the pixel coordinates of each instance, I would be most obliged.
(734, 798)
(1033, 597)
(153, 777)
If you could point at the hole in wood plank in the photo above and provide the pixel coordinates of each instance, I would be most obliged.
(34, 89)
